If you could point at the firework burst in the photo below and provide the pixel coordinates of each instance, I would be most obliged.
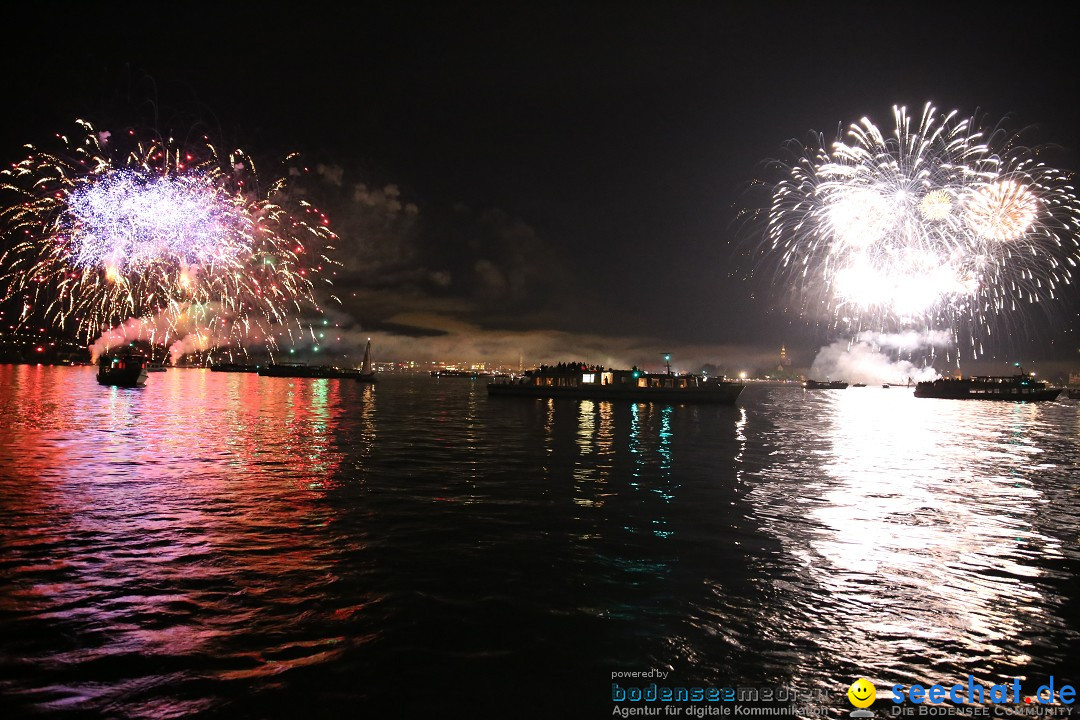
(106, 230)
(937, 224)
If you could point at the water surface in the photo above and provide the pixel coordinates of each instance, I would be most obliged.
(234, 546)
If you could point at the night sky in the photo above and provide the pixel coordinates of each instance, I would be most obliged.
(565, 172)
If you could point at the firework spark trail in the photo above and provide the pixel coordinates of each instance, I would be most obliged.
(937, 225)
(107, 230)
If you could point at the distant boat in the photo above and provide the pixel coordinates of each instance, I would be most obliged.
(1022, 387)
(234, 367)
(155, 367)
(886, 386)
(122, 370)
(367, 374)
(859, 385)
(470, 374)
(583, 382)
(1074, 393)
(299, 370)
(825, 385)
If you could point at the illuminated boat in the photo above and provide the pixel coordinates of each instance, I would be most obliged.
(122, 370)
(1022, 387)
(825, 385)
(584, 382)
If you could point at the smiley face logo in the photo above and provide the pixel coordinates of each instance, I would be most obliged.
(862, 693)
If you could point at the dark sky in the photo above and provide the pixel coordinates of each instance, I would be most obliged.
(574, 167)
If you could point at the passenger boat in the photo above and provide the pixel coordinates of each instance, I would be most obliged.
(825, 385)
(122, 369)
(584, 382)
(986, 387)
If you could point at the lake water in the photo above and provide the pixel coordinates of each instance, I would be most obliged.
(233, 546)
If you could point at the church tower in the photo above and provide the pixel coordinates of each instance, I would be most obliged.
(785, 361)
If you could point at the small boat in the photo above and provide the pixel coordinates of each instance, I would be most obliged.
(859, 385)
(886, 385)
(122, 369)
(1074, 393)
(825, 385)
(155, 367)
(366, 374)
(1022, 387)
(579, 381)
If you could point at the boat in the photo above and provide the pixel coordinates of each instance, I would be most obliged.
(470, 374)
(155, 367)
(300, 370)
(1074, 393)
(886, 385)
(367, 373)
(1021, 387)
(234, 367)
(859, 385)
(825, 385)
(122, 369)
(580, 381)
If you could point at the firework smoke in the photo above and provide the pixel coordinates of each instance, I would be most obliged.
(875, 358)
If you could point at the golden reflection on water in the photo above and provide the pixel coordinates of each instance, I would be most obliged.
(912, 523)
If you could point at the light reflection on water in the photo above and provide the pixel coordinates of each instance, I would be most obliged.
(916, 525)
(251, 546)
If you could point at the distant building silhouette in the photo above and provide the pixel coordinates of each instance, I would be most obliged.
(785, 361)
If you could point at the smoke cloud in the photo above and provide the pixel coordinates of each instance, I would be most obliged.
(184, 330)
(872, 358)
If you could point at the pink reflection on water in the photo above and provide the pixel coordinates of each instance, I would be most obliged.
(128, 510)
